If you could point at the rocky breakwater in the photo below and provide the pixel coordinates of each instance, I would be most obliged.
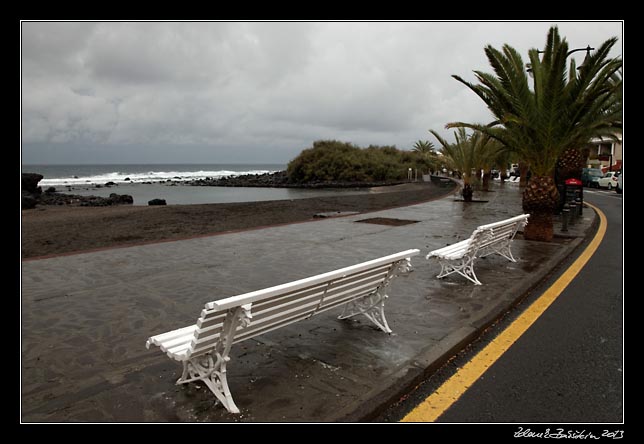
(279, 179)
(33, 195)
(30, 190)
(267, 180)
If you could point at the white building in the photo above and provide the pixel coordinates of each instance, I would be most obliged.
(606, 153)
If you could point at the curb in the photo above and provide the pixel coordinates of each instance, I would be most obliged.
(430, 359)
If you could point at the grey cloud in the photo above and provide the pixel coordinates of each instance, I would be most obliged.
(259, 90)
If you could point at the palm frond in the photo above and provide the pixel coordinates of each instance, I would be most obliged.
(563, 107)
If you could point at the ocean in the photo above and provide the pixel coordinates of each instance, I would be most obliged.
(83, 180)
(62, 175)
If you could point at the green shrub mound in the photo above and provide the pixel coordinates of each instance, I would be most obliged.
(334, 161)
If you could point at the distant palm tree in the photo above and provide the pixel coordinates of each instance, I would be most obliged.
(493, 152)
(565, 108)
(424, 147)
(466, 155)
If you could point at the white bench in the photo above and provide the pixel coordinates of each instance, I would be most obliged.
(204, 348)
(485, 240)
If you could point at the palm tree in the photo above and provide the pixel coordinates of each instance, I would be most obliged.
(424, 147)
(573, 159)
(565, 108)
(466, 155)
(493, 151)
(426, 151)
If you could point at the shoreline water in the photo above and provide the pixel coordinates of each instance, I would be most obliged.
(52, 230)
(184, 194)
(98, 174)
(179, 184)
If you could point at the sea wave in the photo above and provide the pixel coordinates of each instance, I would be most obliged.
(149, 176)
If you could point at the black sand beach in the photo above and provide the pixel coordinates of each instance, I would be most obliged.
(51, 230)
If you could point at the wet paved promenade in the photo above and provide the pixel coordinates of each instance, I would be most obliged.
(86, 317)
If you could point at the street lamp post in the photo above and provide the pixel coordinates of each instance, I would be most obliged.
(587, 49)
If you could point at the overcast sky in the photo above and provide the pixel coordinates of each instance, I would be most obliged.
(229, 92)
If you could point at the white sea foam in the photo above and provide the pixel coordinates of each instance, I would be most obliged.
(149, 176)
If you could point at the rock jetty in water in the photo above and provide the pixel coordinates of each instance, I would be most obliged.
(279, 179)
(32, 195)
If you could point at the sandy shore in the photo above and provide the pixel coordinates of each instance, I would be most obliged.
(50, 230)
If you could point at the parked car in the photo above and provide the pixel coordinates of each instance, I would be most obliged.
(609, 180)
(590, 176)
(619, 186)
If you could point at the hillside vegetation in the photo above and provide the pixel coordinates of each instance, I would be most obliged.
(334, 161)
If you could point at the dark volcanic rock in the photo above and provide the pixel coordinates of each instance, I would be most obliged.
(279, 179)
(119, 199)
(28, 201)
(30, 182)
(50, 190)
(31, 192)
(270, 180)
(157, 202)
(85, 201)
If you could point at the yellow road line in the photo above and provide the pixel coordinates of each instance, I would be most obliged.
(448, 393)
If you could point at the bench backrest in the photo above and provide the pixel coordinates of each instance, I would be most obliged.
(503, 230)
(478, 238)
(271, 308)
(489, 234)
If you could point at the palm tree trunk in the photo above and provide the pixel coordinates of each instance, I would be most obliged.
(486, 180)
(570, 164)
(540, 199)
(467, 192)
(523, 174)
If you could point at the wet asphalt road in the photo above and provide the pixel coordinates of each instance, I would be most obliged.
(568, 367)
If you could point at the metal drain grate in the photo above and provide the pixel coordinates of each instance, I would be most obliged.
(387, 221)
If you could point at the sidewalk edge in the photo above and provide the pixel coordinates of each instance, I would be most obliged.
(435, 356)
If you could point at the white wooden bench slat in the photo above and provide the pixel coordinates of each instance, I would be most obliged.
(296, 306)
(359, 288)
(235, 301)
(270, 327)
(315, 291)
(175, 349)
(281, 315)
(261, 307)
(308, 302)
(512, 220)
(205, 343)
(211, 317)
(460, 249)
(364, 280)
(454, 252)
(486, 239)
(158, 339)
(208, 324)
(204, 348)
(168, 344)
(454, 248)
(178, 352)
